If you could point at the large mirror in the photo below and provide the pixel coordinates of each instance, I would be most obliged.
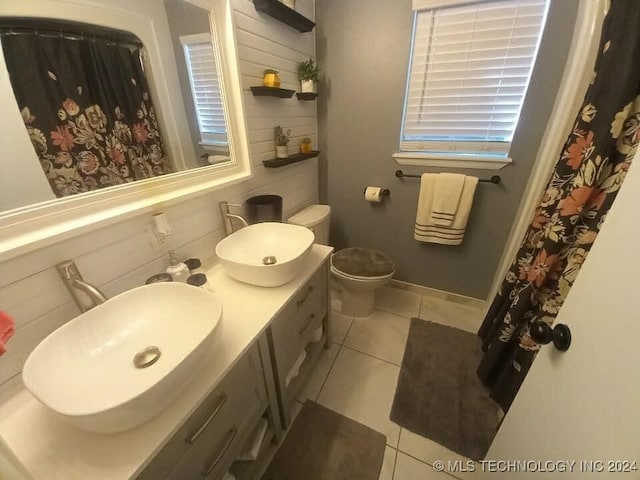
(204, 144)
(81, 140)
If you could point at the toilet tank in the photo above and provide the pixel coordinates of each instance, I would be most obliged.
(316, 218)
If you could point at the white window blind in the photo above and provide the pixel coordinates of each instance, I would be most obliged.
(470, 67)
(203, 77)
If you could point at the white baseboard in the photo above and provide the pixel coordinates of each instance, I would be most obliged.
(434, 292)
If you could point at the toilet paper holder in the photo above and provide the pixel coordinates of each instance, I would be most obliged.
(384, 192)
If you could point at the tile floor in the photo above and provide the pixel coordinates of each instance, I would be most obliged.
(357, 376)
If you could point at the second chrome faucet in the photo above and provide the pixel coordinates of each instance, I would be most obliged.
(228, 217)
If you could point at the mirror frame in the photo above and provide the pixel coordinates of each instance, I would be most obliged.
(28, 228)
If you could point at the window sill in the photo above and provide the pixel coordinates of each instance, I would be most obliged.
(476, 162)
(215, 147)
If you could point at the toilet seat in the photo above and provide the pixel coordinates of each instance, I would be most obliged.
(359, 273)
(340, 274)
(363, 264)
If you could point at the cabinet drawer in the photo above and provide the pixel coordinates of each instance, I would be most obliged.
(212, 456)
(292, 330)
(239, 393)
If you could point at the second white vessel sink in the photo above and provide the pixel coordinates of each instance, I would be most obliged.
(123, 362)
(266, 254)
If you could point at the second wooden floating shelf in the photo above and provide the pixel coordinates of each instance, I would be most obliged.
(262, 91)
(281, 162)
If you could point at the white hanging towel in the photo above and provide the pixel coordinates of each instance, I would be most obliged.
(426, 230)
(446, 198)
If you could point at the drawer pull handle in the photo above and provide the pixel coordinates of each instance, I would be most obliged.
(305, 329)
(221, 400)
(300, 302)
(230, 436)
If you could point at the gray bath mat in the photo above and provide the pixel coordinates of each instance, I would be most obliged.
(324, 445)
(439, 395)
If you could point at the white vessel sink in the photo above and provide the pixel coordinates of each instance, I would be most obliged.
(85, 370)
(266, 254)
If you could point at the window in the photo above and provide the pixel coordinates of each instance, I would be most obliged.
(469, 70)
(207, 99)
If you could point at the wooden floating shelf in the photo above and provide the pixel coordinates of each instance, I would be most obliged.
(306, 95)
(284, 14)
(263, 91)
(281, 162)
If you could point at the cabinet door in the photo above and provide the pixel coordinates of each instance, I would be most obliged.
(212, 456)
(239, 395)
(292, 330)
(291, 333)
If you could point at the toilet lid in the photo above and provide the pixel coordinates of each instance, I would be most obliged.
(362, 262)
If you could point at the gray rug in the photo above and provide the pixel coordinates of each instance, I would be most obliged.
(324, 445)
(439, 395)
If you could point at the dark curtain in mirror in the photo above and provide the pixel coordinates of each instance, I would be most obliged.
(85, 102)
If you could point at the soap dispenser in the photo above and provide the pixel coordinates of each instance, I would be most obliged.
(178, 270)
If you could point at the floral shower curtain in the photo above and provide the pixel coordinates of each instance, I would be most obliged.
(85, 103)
(588, 175)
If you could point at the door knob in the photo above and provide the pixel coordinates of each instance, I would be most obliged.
(560, 335)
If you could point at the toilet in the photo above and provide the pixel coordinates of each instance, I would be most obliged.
(315, 218)
(358, 271)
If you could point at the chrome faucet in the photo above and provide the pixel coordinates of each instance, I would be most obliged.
(90, 297)
(227, 217)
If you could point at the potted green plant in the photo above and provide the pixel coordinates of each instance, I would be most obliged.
(308, 75)
(282, 140)
(270, 78)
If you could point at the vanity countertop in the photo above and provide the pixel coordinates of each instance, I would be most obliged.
(50, 449)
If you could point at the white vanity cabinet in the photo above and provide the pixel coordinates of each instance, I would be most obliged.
(262, 333)
(207, 444)
(293, 331)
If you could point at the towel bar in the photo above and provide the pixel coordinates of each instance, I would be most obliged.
(495, 179)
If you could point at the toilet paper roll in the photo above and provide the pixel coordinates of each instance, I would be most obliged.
(373, 194)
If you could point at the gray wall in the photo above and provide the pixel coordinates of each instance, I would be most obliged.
(363, 51)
